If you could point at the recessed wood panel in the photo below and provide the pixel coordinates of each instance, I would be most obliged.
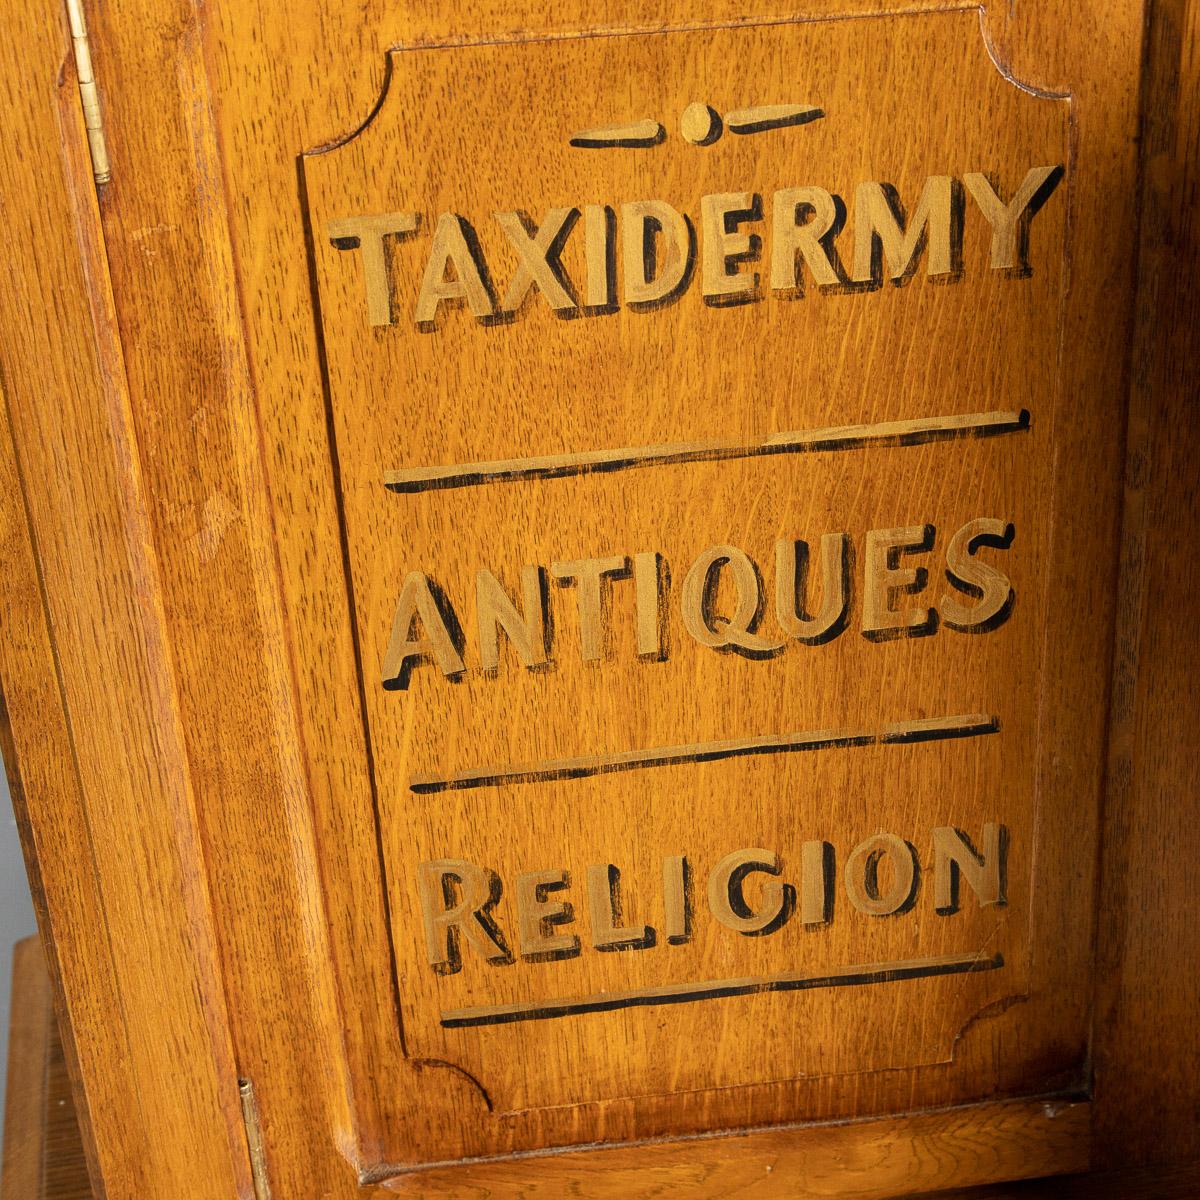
(701, 628)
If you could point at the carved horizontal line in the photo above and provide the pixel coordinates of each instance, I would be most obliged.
(925, 730)
(771, 116)
(837, 437)
(636, 134)
(858, 975)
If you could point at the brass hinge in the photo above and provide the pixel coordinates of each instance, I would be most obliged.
(254, 1140)
(90, 98)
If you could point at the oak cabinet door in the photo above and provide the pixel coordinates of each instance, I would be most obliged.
(624, 509)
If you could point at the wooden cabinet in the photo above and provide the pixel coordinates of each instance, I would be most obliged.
(598, 599)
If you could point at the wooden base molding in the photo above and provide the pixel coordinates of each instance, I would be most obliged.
(866, 1160)
(43, 1157)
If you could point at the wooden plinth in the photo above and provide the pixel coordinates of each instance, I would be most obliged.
(43, 1152)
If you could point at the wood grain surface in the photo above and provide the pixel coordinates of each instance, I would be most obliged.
(28, 1041)
(43, 1156)
(631, 378)
(95, 763)
(211, 515)
(866, 1161)
(1148, 951)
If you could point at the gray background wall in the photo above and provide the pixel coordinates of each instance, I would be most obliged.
(16, 917)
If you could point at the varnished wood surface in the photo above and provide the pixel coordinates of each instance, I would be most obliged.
(43, 1157)
(341, 787)
(1148, 948)
(251, 65)
(866, 1161)
(43, 1152)
(180, 658)
(664, 376)
(28, 1044)
(94, 764)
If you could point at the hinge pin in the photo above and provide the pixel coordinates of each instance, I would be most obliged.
(92, 120)
(254, 1140)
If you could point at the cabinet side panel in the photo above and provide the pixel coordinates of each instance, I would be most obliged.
(1148, 1040)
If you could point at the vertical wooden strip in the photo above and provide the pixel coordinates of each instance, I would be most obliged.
(28, 1075)
(43, 779)
(42, 1156)
(1148, 961)
(210, 518)
(100, 780)
(1044, 49)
